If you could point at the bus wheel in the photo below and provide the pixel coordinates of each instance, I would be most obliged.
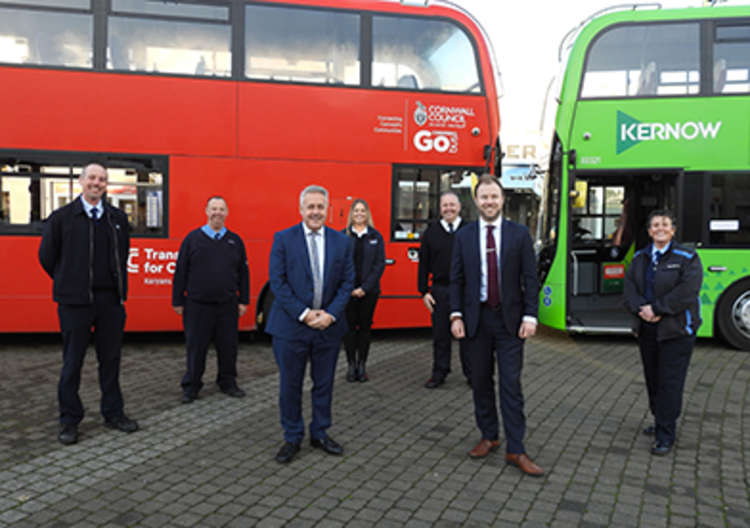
(734, 315)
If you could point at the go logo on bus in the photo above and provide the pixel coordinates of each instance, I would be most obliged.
(427, 141)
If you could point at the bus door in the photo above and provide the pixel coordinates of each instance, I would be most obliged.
(607, 225)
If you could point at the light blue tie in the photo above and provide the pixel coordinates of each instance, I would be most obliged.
(317, 278)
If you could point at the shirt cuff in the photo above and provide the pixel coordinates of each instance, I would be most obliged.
(456, 315)
(529, 319)
(302, 316)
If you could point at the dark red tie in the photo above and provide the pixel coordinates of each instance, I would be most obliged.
(493, 292)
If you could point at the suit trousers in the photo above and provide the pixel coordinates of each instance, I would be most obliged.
(106, 316)
(359, 312)
(442, 340)
(292, 356)
(204, 323)
(665, 365)
(493, 340)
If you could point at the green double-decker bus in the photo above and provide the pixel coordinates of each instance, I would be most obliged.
(654, 112)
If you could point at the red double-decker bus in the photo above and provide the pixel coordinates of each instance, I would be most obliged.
(250, 100)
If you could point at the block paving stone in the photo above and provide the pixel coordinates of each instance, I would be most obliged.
(405, 461)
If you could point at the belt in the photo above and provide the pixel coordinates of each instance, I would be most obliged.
(494, 309)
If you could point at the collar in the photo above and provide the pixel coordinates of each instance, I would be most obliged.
(483, 224)
(307, 230)
(87, 207)
(359, 235)
(456, 224)
(654, 251)
(211, 233)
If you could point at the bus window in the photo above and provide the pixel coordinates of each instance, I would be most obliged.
(32, 187)
(416, 54)
(416, 197)
(139, 43)
(302, 45)
(665, 62)
(599, 218)
(732, 59)
(729, 217)
(47, 38)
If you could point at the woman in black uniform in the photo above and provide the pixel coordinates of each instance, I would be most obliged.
(661, 291)
(369, 263)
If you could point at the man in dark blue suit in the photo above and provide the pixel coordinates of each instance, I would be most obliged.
(494, 295)
(311, 273)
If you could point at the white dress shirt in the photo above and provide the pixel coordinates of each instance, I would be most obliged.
(483, 252)
(321, 257)
(446, 225)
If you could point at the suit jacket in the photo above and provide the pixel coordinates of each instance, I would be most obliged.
(291, 280)
(519, 286)
(373, 260)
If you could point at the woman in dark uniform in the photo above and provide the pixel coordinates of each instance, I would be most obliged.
(369, 263)
(661, 291)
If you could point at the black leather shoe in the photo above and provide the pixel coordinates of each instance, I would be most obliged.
(123, 423)
(650, 430)
(328, 445)
(362, 373)
(188, 397)
(68, 434)
(287, 452)
(351, 373)
(234, 392)
(434, 382)
(661, 448)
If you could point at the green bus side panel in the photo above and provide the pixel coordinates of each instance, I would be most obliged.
(689, 133)
(737, 262)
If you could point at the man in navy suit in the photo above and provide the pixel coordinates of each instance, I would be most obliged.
(311, 273)
(494, 295)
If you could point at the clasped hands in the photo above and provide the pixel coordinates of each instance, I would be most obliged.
(318, 319)
(647, 314)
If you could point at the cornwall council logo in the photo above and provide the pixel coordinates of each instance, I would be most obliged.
(420, 114)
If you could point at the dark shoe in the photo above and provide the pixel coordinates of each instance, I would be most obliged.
(68, 434)
(661, 448)
(123, 423)
(362, 373)
(351, 373)
(328, 445)
(484, 448)
(234, 392)
(434, 382)
(287, 452)
(650, 430)
(524, 463)
(188, 397)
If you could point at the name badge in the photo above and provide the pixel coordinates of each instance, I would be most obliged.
(374, 242)
(672, 266)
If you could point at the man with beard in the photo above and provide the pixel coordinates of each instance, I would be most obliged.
(494, 300)
(311, 273)
(211, 291)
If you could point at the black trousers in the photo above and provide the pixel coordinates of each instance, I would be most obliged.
(442, 340)
(494, 340)
(204, 323)
(105, 320)
(665, 365)
(359, 312)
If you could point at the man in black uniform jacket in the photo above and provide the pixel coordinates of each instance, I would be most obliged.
(84, 249)
(435, 260)
(211, 290)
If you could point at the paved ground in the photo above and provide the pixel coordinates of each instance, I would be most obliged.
(211, 463)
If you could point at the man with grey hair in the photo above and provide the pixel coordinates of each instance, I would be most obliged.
(84, 250)
(311, 273)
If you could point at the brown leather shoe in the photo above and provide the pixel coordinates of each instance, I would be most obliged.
(483, 448)
(524, 463)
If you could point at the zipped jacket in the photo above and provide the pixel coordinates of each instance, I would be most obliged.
(67, 251)
(677, 283)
